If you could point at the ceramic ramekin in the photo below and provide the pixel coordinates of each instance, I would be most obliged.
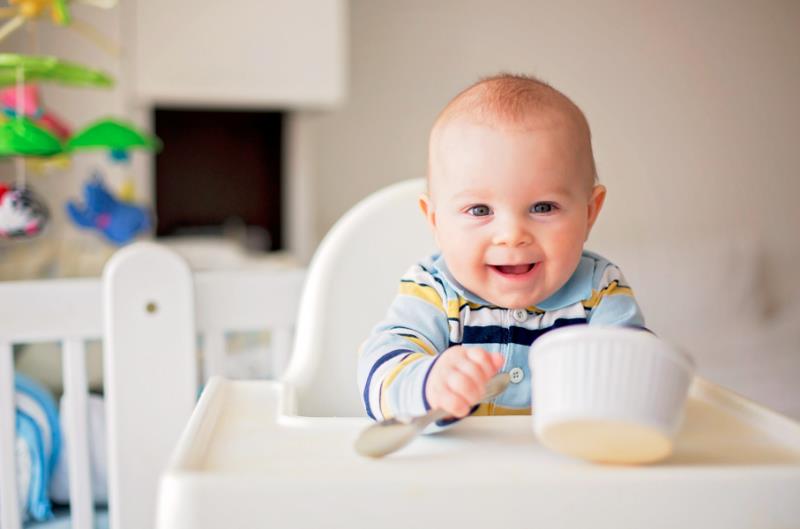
(608, 394)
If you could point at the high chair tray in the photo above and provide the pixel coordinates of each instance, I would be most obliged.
(242, 464)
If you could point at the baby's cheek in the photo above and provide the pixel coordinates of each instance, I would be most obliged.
(566, 243)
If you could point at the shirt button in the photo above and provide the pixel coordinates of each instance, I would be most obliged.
(520, 315)
(516, 374)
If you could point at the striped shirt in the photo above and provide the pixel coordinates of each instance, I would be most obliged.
(432, 312)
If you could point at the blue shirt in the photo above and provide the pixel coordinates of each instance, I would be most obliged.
(433, 312)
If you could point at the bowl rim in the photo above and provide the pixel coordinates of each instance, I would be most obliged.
(606, 333)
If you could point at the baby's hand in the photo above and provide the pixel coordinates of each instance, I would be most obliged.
(458, 379)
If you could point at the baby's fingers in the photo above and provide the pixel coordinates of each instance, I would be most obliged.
(476, 372)
(454, 404)
(488, 363)
(497, 361)
(466, 387)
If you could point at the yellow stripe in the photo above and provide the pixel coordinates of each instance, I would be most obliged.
(501, 410)
(613, 289)
(389, 379)
(454, 307)
(490, 408)
(421, 343)
(535, 309)
(423, 292)
(473, 306)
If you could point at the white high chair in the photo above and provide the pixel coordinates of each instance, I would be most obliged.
(351, 281)
(281, 453)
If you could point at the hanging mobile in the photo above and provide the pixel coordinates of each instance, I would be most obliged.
(22, 214)
(119, 219)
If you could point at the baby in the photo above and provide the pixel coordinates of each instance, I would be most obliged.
(512, 196)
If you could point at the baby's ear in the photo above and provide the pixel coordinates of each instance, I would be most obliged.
(426, 206)
(596, 200)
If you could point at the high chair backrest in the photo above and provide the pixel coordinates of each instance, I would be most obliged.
(350, 284)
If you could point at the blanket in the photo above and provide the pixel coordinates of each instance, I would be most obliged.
(42, 466)
(38, 446)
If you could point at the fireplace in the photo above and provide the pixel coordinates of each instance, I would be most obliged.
(220, 172)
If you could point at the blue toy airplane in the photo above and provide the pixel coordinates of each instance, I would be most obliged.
(119, 221)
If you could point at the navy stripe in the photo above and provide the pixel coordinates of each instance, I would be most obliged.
(512, 334)
(425, 284)
(450, 420)
(413, 282)
(607, 286)
(480, 307)
(425, 383)
(396, 327)
(484, 334)
(434, 277)
(382, 360)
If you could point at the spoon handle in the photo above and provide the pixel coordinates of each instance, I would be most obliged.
(387, 436)
(496, 385)
(422, 421)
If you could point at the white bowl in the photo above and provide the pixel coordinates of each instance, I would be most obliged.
(608, 394)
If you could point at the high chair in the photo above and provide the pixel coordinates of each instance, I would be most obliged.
(281, 453)
(351, 281)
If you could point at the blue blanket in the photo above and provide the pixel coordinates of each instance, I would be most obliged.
(39, 437)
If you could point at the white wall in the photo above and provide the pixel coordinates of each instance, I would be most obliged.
(693, 105)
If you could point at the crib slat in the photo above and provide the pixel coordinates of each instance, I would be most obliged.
(76, 389)
(280, 347)
(150, 366)
(213, 353)
(9, 499)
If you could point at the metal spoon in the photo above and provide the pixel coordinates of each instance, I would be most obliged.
(385, 437)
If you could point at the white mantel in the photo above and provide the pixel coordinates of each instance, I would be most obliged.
(288, 55)
(284, 54)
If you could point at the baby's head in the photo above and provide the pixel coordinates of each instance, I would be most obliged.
(512, 192)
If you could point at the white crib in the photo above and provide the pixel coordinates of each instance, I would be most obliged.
(150, 310)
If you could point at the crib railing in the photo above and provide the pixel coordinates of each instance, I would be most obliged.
(67, 311)
(150, 310)
(244, 300)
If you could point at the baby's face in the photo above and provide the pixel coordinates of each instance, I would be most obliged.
(510, 209)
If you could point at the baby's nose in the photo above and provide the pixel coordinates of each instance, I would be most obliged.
(512, 233)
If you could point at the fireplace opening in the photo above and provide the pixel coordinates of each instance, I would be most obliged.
(220, 174)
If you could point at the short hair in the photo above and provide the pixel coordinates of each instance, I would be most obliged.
(511, 100)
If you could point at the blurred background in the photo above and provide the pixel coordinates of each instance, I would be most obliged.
(277, 116)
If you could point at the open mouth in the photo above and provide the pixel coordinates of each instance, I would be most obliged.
(514, 270)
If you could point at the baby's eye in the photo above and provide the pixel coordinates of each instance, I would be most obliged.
(543, 207)
(481, 210)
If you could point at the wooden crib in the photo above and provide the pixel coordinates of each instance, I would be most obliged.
(151, 311)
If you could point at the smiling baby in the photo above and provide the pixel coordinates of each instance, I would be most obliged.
(512, 196)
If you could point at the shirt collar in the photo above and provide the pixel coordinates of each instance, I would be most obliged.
(577, 288)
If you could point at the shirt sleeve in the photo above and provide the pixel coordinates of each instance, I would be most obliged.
(612, 301)
(395, 360)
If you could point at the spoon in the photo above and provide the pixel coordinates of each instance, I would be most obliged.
(387, 436)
